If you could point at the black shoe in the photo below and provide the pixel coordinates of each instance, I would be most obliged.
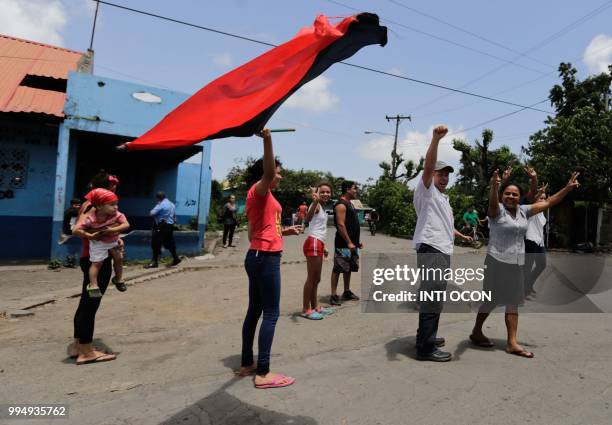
(151, 266)
(121, 286)
(334, 300)
(175, 262)
(439, 342)
(435, 356)
(349, 296)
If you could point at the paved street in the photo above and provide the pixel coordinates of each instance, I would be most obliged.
(178, 338)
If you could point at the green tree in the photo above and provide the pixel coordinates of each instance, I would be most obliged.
(393, 201)
(578, 137)
(477, 163)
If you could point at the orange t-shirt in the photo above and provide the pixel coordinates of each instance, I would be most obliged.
(264, 216)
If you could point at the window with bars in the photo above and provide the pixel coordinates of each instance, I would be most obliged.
(14, 164)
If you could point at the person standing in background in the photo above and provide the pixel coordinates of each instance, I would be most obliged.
(163, 230)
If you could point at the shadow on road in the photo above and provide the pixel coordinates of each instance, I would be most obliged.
(404, 346)
(220, 408)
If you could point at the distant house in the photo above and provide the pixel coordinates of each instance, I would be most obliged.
(60, 124)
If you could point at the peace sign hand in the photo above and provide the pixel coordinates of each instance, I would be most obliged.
(573, 181)
(495, 179)
(507, 173)
(531, 172)
(315, 195)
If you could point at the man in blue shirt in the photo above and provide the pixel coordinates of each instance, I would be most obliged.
(163, 230)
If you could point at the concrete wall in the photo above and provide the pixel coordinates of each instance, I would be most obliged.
(110, 107)
(187, 192)
(25, 220)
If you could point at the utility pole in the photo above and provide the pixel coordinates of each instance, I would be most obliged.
(396, 159)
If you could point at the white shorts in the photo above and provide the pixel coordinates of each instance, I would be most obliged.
(98, 250)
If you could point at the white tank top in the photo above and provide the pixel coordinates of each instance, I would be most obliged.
(317, 228)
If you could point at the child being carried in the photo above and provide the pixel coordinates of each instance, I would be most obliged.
(102, 227)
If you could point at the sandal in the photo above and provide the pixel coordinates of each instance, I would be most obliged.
(94, 292)
(485, 343)
(312, 315)
(278, 382)
(325, 311)
(100, 359)
(121, 286)
(521, 353)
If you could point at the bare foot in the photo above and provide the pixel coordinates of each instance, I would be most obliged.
(94, 356)
(246, 370)
(73, 350)
(273, 380)
(479, 339)
(517, 350)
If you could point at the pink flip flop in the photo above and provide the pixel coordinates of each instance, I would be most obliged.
(279, 382)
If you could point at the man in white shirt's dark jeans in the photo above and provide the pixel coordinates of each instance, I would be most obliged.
(433, 240)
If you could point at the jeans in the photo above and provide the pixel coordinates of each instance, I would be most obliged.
(263, 270)
(535, 255)
(228, 231)
(430, 258)
(85, 316)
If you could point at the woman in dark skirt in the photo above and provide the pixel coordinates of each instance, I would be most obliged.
(506, 256)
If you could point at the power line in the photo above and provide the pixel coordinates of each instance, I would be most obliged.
(497, 118)
(539, 45)
(366, 68)
(454, 43)
(523, 84)
(473, 34)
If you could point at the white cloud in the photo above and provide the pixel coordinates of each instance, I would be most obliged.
(598, 54)
(36, 20)
(223, 60)
(413, 145)
(314, 96)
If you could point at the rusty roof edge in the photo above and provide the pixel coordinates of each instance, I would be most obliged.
(42, 44)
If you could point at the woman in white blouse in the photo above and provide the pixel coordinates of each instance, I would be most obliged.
(506, 256)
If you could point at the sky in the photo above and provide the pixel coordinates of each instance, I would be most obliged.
(505, 50)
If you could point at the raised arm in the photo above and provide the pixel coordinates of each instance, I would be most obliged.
(538, 207)
(313, 207)
(432, 154)
(269, 164)
(533, 184)
(493, 210)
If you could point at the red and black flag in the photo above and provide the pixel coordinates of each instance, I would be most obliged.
(240, 102)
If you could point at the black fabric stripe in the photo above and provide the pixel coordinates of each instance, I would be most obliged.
(364, 32)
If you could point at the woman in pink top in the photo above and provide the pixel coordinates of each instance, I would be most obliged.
(262, 264)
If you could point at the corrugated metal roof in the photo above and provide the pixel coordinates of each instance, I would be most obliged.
(19, 58)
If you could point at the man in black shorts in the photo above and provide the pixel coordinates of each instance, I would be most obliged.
(347, 244)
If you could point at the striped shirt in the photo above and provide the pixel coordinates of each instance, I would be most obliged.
(507, 235)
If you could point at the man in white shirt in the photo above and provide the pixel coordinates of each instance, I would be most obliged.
(433, 240)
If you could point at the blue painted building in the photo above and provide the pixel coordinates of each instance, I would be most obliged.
(54, 141)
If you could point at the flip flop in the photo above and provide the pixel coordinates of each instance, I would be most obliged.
(94, 292)
(521, 353)
(279, 382)
(312, 315)
(483, 343)
(325, 311)
(98, 359)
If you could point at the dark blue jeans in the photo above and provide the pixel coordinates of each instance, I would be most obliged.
(263, 269)
(430, 258)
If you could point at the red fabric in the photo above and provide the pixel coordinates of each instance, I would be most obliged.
(264, 216)
(101, 196)
(313, 247)
(240, 95)
(302, 210)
